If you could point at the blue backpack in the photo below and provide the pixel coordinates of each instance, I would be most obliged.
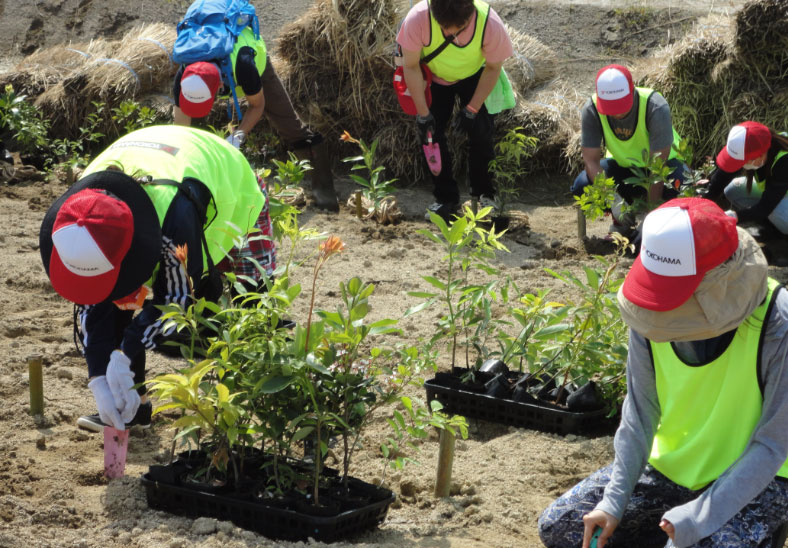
(208, 32)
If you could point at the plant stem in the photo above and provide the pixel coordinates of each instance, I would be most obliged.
(318, 455)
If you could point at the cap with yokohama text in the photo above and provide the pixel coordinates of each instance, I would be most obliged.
(682, 240)
(614, 90)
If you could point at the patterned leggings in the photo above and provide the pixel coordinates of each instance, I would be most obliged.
(561, 524)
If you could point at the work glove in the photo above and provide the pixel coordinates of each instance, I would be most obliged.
(105, 403)
(237, 138)
(425, 124)
(121, 384)
(465, 120)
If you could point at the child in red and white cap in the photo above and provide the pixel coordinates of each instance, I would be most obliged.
(111, 239)
(752, 171)
(196, 86)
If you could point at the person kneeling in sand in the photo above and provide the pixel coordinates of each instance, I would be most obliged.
(700, 454)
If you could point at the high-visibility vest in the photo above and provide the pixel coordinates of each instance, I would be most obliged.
(629, 152)
(708, 412)
(455, 62)
(178, 152)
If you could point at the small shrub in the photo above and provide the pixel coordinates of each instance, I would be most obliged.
(507, 166)
(23, 122)
(376, 189)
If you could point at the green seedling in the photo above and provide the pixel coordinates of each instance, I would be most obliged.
(507, 166)
(375, 187)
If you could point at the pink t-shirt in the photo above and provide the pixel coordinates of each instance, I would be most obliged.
(415, 35)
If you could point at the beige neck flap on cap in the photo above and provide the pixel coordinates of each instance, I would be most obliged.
(725, 297)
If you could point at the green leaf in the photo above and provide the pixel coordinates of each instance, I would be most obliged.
(434, 282)
(418, 308)
(421, 294)
(551, 330)
(301, 433)
(276, 384)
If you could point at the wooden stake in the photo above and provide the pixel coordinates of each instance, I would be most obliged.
(581, 224)
(445, 463)
(358, 205)
(36, 377)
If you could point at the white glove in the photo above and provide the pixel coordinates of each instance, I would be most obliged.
(105, 403)
(121, 382)
(731, 213)
(237, 138)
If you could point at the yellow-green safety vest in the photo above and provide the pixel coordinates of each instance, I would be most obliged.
(246, 38)
(177, 152)
(762, 184)
(456, 63)
(708, 412)
(629, 152)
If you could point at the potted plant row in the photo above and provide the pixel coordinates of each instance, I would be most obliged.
(543, 364)
(261, 407)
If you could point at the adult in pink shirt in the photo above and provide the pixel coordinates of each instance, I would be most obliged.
(457, 20)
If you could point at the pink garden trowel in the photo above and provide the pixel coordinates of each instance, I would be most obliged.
(433, 154)
(116, 443)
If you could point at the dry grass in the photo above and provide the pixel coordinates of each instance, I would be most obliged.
(67, 80)
(140, 64)
(724, 72)
(532, 64)
(45, 68)
(762, 36)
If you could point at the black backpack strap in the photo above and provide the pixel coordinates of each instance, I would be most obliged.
(227, 70)
(188, 187)
(448, 40)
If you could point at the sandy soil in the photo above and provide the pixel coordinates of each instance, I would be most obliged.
(52, 492)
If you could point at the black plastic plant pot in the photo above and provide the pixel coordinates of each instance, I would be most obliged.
(526, 413)
(522, 395)
(498, 386)
(292, 521)
(501, 222)
(494, 366)
(584, 398)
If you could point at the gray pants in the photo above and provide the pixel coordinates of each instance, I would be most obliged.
(736, 192)
(561, 524)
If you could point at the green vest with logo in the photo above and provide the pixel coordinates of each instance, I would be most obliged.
(177, 152)
(629, 152)
(456, 63)
(762, 184)
(246, 38)
(709, 412)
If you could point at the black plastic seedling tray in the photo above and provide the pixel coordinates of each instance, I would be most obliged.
(547, 418)
(272, 522)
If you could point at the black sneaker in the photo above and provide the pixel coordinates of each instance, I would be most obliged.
(142, 419)
(446, 211)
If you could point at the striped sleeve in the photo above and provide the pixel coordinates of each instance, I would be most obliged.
(170, 286)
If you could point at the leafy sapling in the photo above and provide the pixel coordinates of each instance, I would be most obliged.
(377, 190)
(507, 167)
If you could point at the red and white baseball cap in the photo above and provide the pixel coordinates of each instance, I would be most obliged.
(682, 240)
(614, 90)
(101, 240)
(746, 142)
(91, 235)
(199, 84)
